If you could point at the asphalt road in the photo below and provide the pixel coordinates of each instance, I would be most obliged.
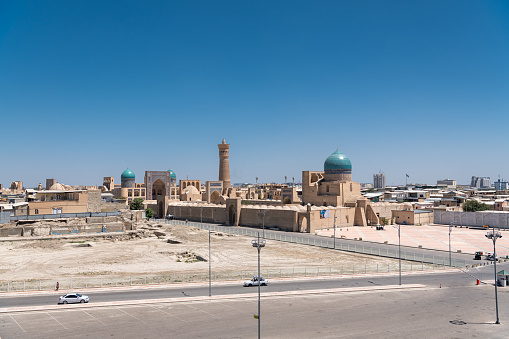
(459, 309)
(445, 279)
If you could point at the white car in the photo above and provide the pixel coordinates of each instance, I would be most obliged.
(73, 298)
(256, 281)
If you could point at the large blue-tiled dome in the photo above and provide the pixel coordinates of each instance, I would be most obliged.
(127, 174)
(337, 161)
(172, 174)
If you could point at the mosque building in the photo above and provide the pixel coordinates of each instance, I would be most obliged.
(328, 197)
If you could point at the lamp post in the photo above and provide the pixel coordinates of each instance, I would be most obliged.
(494, 236)
(334, 230)
(263, 224)
(450, 260)
(210, 258)
(258, 244)
(399, 251)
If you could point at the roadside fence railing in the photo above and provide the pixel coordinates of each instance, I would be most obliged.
(362, 248)
(67, 284)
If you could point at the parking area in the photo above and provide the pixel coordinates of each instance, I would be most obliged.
(467, 240)
(403, 313)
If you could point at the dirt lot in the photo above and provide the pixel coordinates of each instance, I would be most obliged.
(159, 249)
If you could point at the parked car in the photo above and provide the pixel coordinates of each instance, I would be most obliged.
(169, 217)
(73, 298)
(491, 257)
(257, 280)
(478, 256)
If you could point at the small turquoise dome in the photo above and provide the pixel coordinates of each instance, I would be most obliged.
(127, 174)
(337, 161)
(172, 174)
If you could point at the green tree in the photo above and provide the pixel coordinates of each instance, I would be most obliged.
(384, 221)
(149, 213)
(474, 206)
(137, 204)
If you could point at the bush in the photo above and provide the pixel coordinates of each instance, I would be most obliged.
(474, 206)
(136, 204)
(149, 213)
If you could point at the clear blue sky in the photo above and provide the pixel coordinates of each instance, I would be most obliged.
(89, 88)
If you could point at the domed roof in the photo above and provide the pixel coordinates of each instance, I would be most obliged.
(127, 174)
(172, 174)
(337, 161)
(57, 187)
(191, 190)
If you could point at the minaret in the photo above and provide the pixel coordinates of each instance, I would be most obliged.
(224, 164)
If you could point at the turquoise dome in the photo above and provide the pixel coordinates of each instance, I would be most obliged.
(337, 161)
(172, 174)
(127, 174)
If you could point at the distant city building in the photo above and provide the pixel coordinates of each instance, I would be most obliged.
(379, 180)
(501, 185)
(446, 182)
(480, 182)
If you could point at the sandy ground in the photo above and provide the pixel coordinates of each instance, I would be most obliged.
(145, 253)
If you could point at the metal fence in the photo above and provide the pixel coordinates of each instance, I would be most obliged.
(5, 217)
(77, 283)
(361, 248)
(65, 215)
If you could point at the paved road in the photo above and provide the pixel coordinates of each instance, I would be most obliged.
(457, 310)
(451, 279)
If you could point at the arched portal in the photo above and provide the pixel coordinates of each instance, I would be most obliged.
(304, 225)
(232, 215)
(214, 197)
(159, 189)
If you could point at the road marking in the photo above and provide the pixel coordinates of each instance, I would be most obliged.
(118, 308)
(56, 320)
(224, 304)
(171, 315)
(94, 317)
(17, 323)
(197, 309)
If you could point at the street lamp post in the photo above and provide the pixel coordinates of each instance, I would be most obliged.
(210, 258)
(258, 244)
(334, 230)
(450, 260)
(494, 236)
(263, 224)
(399, 251)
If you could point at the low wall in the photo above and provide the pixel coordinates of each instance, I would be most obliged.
(496, 219)
(282, 219)
(194, 212)
(46, 230)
